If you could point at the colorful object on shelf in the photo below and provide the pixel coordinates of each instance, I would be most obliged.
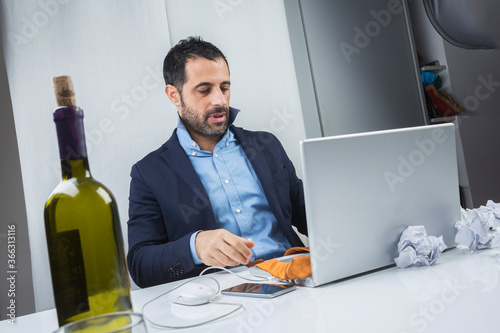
(443, 102)
(428, 77)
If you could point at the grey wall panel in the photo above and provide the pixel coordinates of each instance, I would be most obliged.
(305, 81)
(363, 64)
(114, 53)
(13, 214)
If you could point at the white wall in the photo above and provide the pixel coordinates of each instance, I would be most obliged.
(254, 37)
(114, 52)
(114, 55)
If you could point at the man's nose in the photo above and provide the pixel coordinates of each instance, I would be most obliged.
(218, 97)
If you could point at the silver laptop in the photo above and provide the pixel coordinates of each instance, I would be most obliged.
(362, 190)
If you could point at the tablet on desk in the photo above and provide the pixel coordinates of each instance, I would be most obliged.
(259, 290)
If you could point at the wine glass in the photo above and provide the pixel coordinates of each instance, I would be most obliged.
(115, 322)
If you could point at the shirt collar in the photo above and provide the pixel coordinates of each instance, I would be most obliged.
(190, 146)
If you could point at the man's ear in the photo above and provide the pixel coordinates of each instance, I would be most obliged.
(173, 94)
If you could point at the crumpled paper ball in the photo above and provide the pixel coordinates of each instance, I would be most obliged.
(479, 228)
(416, 248)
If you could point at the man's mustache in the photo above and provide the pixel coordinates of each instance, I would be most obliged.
(219, 109)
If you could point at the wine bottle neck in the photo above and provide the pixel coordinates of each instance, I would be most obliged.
(75, 169)
(71, 137)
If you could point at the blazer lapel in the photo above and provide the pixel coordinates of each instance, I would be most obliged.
(185, 170)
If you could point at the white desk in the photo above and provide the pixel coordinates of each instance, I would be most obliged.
(459, 293)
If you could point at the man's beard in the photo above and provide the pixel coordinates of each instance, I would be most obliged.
(201, 126)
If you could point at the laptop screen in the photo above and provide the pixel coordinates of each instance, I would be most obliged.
(362, 191)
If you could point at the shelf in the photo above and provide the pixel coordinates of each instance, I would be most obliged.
(441, 120)
(434, 69)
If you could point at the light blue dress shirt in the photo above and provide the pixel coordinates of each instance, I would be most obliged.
(235, 193)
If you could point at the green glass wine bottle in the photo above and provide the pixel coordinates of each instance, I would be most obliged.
(84, 239)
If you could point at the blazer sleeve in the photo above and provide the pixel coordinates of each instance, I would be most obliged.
(297, 199)
(153, 258)
(296, 193)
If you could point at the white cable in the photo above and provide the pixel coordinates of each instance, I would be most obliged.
(240, 276)
(237, 306)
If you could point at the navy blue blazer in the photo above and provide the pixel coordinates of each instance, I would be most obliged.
(168, 203)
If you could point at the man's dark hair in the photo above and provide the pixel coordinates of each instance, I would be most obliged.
(174, 65)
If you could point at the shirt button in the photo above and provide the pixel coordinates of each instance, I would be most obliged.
(238, 210)
(216, 155)
(193, 153)
(226, 181)
(227, 144)
(194, 144)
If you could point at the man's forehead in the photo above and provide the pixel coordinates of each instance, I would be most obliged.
(202, 69)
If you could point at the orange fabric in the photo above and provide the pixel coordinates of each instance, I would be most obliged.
(254, 263)
(298, 268)
(295, 250)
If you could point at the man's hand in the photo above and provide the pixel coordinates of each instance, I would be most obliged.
(222, 248)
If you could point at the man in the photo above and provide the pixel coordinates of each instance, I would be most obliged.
(214, 194)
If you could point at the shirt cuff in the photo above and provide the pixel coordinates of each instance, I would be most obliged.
(196, 260)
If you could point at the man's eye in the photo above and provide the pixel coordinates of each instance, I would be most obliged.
(204, 91)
